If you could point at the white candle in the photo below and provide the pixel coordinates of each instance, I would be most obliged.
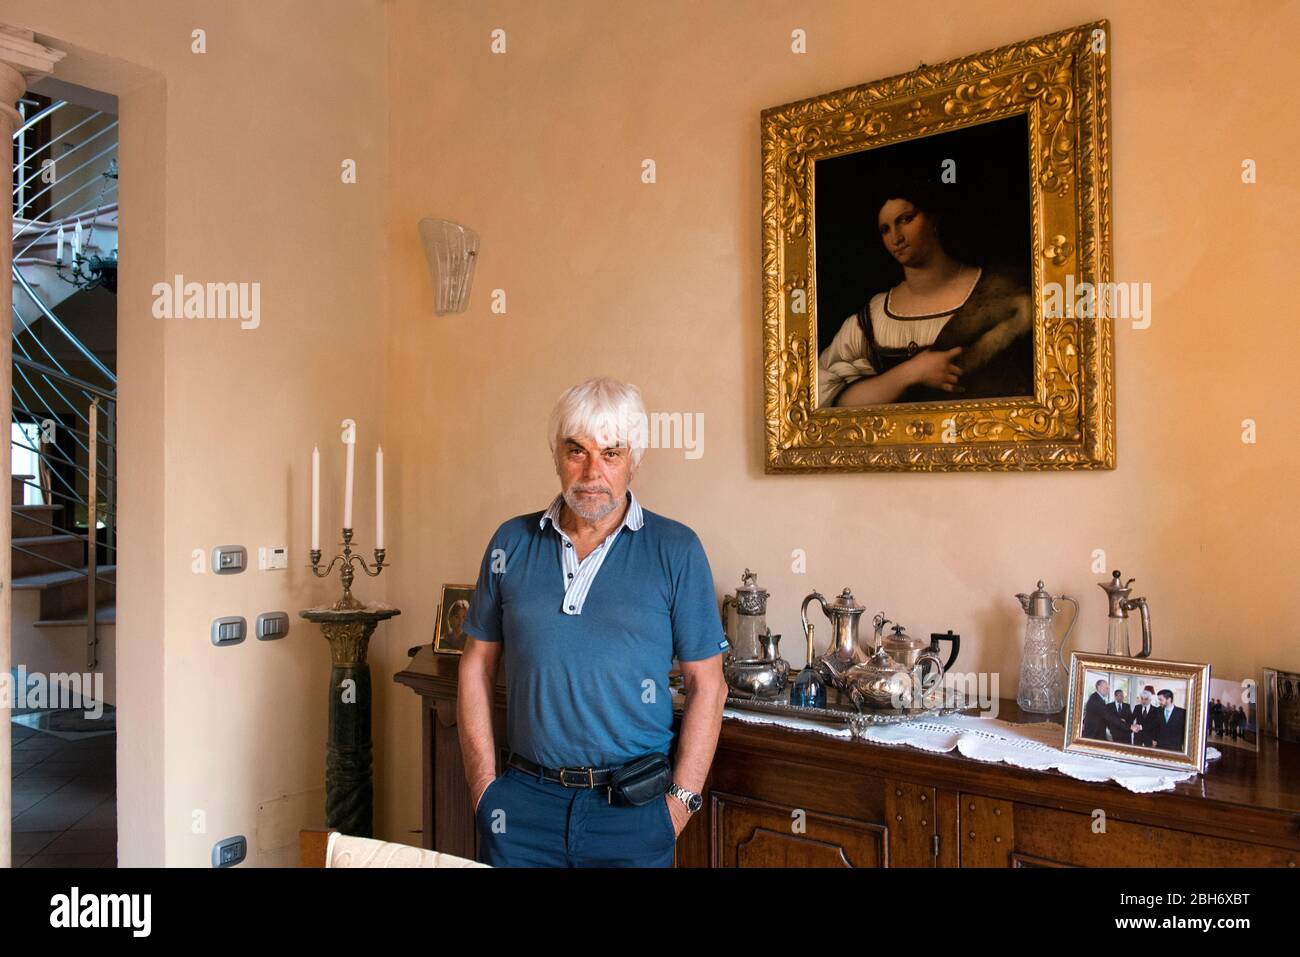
(379, 497)
(58, 244)
(315, 499)
(76, 240)
(347, 485)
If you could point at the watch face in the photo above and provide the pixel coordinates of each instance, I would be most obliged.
(694, 803)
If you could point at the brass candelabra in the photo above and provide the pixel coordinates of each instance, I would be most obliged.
(347, 558)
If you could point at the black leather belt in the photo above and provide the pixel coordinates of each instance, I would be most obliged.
(568, 777)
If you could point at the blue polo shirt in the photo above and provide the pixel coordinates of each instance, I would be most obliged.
(591, 689)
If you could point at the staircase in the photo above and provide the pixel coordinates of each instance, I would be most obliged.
(64, 389)
(55, 566)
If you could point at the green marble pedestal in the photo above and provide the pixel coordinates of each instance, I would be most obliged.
(349, 779)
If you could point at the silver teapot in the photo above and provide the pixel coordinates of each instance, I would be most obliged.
(895, 676)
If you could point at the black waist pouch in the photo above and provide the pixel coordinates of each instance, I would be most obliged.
(641, 781)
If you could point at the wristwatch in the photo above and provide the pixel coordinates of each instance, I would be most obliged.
(692, 800)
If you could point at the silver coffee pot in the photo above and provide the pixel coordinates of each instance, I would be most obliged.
(747, 627)
(843, 652)
(754, 666)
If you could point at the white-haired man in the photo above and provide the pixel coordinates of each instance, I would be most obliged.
(590, 601)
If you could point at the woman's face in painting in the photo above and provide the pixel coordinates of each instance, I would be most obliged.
(909, 234)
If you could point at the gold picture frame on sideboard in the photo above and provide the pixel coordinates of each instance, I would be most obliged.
(1023, 130)
(1100, 723)
(449, 626)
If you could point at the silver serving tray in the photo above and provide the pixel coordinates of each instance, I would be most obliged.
(842, 714)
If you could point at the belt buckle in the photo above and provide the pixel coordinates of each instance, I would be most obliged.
(591, 777)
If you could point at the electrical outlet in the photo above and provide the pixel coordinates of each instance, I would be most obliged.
(229, 852)
(229, 559)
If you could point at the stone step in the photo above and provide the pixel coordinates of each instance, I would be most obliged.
(32, 520)
(104, 615)
(46, 553)
(16, 487)
(63, 592)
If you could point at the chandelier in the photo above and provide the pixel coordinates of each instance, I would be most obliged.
(86, 271)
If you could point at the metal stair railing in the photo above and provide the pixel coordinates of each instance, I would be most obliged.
(79, 475)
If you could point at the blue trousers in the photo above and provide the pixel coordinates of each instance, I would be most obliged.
(526, 822)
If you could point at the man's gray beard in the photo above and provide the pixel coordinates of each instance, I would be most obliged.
(584, 511)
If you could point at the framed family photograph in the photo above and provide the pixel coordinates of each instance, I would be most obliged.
(923, 239)
(1138, 709)
(449, 629)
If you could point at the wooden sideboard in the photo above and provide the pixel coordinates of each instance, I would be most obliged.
(867, 805)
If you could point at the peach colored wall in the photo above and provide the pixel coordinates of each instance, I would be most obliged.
(540, 151)
(231, 172)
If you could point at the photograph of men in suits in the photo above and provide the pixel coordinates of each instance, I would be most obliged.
(1145, 717)
(1171, 730)
(1102, 722)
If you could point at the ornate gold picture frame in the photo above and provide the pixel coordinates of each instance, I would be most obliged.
(1057, 86)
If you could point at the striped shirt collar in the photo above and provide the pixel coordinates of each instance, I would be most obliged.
(633, 520)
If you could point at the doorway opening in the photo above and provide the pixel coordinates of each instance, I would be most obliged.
(63, 487)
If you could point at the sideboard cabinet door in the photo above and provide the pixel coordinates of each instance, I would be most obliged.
(753, 833)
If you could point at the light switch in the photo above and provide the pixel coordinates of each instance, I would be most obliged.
(230, 630)
(272, 625)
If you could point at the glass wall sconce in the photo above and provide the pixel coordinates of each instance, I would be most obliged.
(451, 250)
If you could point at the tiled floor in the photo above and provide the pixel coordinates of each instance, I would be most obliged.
(64, 800)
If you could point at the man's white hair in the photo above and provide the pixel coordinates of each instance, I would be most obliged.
(609, 411)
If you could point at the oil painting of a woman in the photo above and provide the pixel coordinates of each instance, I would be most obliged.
(945, 321)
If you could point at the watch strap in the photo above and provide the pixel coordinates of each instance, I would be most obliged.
(688, 798)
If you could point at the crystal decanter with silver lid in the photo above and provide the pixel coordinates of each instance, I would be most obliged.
(1042, 667)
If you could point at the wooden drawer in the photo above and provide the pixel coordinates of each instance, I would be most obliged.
(1047, 836)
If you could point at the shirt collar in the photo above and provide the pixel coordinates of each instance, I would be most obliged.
(633, 520)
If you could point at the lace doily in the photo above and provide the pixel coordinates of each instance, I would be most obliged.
(1034, 747)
